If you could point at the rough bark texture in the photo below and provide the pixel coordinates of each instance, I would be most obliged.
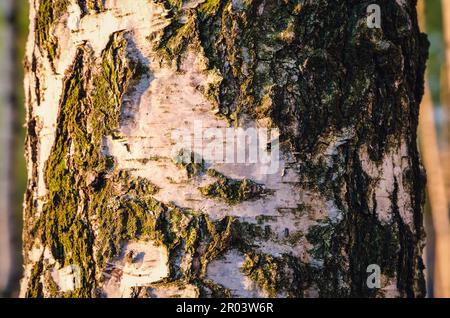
(108, 81)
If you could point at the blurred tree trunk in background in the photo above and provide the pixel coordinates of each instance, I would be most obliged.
(13, 171)
(445, 89)
(107, 84)
(19, 24)
(437, 197)
(436, 186)
(6, 120)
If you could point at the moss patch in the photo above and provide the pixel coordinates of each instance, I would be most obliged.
(48, 12)
(230, 190)
(190, 162)
(284, 276)
(76, 169)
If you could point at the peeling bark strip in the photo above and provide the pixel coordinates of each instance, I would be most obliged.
(109, 81)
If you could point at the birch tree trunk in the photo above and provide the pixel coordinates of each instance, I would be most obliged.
(109, 206)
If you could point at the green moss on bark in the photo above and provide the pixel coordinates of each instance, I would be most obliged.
(190, 162)
(230, 190)
(48, 12)
(34, 289)
(283, 276)
(76, 169)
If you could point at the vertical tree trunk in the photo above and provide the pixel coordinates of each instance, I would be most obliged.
(109, 82)
(445, 91)
(435, 185)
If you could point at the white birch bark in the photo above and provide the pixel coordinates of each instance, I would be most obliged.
(303, 230)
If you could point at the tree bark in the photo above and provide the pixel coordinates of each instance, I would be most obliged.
(108, 82)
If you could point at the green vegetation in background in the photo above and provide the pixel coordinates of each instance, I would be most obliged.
(3, 24)
(17, 23)
(19, 172)
(437, 57)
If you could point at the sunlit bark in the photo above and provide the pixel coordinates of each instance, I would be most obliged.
(108, 83)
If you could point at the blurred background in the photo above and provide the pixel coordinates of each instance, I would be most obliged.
(434, 142)
(13, 33)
